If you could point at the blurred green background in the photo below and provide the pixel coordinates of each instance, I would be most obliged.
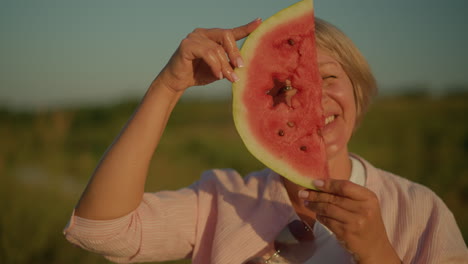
(47, 156)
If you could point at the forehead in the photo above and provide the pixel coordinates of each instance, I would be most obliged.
(325, 60)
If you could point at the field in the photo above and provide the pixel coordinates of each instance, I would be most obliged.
(46, 158)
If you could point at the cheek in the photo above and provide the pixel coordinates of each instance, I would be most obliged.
(350, 114)
(350, 106)
(342, 93)
(350, 101)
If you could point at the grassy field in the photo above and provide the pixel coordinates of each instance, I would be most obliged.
(46, 158)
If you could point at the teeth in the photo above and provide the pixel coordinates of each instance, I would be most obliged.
(329, 119)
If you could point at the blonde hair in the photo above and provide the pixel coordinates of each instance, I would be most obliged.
(333, 41)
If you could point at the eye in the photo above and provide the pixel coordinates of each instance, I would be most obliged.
(328, 77)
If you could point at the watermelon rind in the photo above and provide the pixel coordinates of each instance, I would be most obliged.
(240, 112)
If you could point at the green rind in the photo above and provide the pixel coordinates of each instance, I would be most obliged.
(240, 112)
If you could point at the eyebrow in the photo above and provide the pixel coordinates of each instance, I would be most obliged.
(328, 62)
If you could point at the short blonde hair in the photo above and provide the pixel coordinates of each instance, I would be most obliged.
(333, 41)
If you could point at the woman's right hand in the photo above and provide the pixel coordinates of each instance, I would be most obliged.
(204, 56)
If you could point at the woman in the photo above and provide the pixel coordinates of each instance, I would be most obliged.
(362, 214)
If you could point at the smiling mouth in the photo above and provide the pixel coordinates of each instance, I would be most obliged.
(329, 119)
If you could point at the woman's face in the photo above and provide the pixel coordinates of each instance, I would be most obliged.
(338, 105)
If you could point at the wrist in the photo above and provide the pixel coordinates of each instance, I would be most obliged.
(381, 260)
(172, 82)
(162, 88)
(388, 256)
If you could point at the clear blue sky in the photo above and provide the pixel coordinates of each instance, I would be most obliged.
(65, 52)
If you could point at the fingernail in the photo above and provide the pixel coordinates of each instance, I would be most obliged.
(220, 76)
(319, 183)
(234, 76)
(240, 62)
(303, 194)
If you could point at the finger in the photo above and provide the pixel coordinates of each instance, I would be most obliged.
(322, 197)
(343, 188)
(216, 34)
(330, 211)
(210, 56)
(226, 68)
(229, 44)
(225, 39)
(243, 31)
(195, 48)
(228, 37)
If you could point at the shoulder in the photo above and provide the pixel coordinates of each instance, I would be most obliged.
(392, 187)
(412, 202)
(417, 221)
(402, 186)
(405, 201)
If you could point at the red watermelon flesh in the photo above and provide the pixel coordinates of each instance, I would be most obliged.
(277, 104)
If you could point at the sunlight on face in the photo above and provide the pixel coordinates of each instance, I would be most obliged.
(338, 105)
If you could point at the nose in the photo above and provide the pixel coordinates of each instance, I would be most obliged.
(325, 97)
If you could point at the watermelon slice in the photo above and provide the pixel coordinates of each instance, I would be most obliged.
(277, 102)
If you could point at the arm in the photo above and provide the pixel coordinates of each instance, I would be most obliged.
(117, 185)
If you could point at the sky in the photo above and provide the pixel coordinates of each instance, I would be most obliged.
(57, 53)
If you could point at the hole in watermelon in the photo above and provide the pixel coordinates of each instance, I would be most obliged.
(280, 133)
(291, 124)
(291, 42)
(303, 148)
(282, 92)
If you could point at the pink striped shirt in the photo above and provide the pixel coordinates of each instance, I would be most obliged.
(224, 218)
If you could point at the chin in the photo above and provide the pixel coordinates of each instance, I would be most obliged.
(336, 148)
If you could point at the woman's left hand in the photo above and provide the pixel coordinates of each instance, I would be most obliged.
(352, 213)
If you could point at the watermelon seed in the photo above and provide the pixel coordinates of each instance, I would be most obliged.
(280, 133)
(291, 42)
(303, 148)
(290, 124)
